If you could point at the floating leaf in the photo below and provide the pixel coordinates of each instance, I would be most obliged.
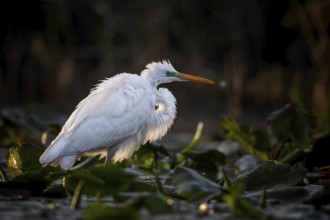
(271, 175)
(55, 190)
(239, 206)
(112, 173)
(247, 163)
(92, 184)
(286, 194)
(103, 180)
(155, 204)
(147, 155)
(292, 123)
(206, 162)
(289, 193)
(23, 158)
(192, 186)
(254, 142)
(100, 212)
(29, 183)
(137, 186)
(320, 196)
(210, 155)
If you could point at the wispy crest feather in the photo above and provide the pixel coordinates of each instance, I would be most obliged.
(157, 66)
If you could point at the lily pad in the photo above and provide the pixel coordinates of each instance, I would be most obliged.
(207, 162)
(285, 194)
(271, 175)
(149, 154)
(320, 196)
(192, 186)
(28, 183)
(210, 155)
(23, 158)
(105, 180)
(155, 204)
(247, 163)
(238, 205)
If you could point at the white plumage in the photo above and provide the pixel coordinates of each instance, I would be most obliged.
(118, 115)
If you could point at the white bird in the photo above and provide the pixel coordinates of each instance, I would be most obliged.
(119, 114)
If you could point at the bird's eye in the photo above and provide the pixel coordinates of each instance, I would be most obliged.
(156, 107)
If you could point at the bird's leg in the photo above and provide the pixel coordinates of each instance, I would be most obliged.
(107, 160)
(110, 153)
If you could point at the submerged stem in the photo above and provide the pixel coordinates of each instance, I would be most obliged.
(3, 175)
(77, 196)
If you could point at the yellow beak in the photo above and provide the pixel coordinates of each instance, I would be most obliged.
(194, 78)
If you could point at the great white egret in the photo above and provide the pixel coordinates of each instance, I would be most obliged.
(119, 114)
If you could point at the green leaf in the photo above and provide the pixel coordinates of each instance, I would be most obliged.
(254, 142)
(112, 174)
(30, 183)
(246, 163)
(23, 158)
(207, 162)
(103, 180)
(155, 204)
(107, 180)
(241, 207)
(144, 156)
(101, 212)
(92, 184)
(195, 139)
(55, 190)
(294, 155)
(292, 123)
(147, 154)
(237, 189)
(238, 205)
(271, 175)
(137, 186)
(192, 186)
(320, 196)
(210, 155)
(291, 194)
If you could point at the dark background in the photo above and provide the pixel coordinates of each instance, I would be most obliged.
(262, 54)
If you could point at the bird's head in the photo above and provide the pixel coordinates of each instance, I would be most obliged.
(164, 72)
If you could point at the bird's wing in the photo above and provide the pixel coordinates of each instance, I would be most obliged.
(105, 118)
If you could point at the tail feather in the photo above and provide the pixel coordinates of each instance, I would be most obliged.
(55, 155)
(53, 152)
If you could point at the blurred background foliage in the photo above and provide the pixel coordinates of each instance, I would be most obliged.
(262, 54)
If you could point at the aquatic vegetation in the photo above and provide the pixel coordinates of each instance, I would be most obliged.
(267, 170)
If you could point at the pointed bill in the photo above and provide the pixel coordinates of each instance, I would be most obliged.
(194, 78)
